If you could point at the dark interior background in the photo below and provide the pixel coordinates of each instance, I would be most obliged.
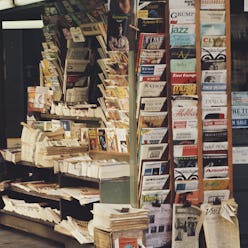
(20, 52)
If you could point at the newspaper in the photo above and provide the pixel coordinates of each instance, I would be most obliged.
(186, 226)
(211, 196)
(221, 225)
(159, 228)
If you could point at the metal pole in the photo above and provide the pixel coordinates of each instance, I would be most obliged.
(132, 110)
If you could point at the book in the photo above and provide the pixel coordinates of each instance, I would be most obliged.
(93, 140)
(101, 135)
(122, 140)
(111, 140)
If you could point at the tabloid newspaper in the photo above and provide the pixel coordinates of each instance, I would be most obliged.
(159, 228)
(186, 226)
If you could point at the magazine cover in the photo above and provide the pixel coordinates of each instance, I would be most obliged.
(179, 16)
(212, 16)
(182, 29)
(213, 58)
(184, 89)
(151, 9)
(213, 41)
(178, 40)
(183, 65)
(151, 25)
(183, 78)
(152, 135)
(151, 41)
(215, 29)
(216, 184)
(118, 19)
(213, 4)
(182, 53)
(151, 56)
(183, 4)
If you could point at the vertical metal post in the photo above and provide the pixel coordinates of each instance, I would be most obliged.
(132, 110)
(2, 114)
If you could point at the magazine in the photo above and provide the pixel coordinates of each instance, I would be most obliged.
(178, 16)
(212, 16)
(213, 41)
(213, 58)
(183, 65)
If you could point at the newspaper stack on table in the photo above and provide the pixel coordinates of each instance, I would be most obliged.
(118, 217)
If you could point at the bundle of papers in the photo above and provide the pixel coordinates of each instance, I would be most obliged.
(117, 217)
(32, 210)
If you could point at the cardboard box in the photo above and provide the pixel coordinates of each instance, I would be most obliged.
(120, 239)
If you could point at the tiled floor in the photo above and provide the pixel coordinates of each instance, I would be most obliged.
(10, 238)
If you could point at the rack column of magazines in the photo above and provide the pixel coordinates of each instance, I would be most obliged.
(154, 182)
(214, 77)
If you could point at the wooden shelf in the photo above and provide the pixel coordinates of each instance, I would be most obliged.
(90, 179)
(46, 223)
(29, 164)
(73, 118)
(36, 194)
(110, 155)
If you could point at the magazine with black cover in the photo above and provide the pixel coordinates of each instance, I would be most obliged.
(213, 58)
